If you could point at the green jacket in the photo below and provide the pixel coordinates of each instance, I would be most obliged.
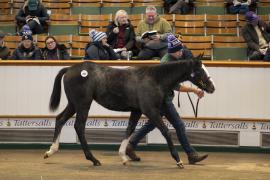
(161, 25)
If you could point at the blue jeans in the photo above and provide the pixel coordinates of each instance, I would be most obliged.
(168, 110)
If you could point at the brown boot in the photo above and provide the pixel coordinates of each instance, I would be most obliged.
(193, 158)
(131, 154)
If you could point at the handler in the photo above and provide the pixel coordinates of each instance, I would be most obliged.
(176, 52)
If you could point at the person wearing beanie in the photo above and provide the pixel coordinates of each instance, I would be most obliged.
(256, 34)
(35, 15)
(176, 52)
(4, 51)
(53, 50)
(26, 50)
(98, 48)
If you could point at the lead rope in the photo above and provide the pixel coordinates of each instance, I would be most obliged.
(195, 111)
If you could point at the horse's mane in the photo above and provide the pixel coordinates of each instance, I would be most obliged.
(160, 70)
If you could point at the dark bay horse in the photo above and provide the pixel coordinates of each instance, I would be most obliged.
(140, 90)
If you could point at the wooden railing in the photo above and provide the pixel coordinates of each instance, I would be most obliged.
(251, 64)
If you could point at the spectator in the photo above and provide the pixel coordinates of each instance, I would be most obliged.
(240, 6)
(176, 52)
(99, 49)
(34, 14)
(156, 44)
(4, 51)
(121, 34)
(27, 50)
(257, 36)
(179, 6)
(54, 51)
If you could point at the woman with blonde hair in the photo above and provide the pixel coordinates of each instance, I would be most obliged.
(121, 34)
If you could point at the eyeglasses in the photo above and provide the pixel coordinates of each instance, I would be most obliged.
(50, 42)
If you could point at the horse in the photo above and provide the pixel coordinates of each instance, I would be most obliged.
(140, 90)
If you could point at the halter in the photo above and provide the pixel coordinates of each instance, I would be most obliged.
(195, 110)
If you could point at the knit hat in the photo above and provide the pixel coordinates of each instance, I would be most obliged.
(251, 17)
(32, 5)
(26, 30)
(97, 36)
(174, 44)
(27, 37)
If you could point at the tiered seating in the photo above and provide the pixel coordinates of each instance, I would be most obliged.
(229, 47)
(199, 45)
(222, 25)
(7, 23)
(5, 7)
(111, 6)
(12, 42)
(86, 6)
(138, 6)
(61, 24)
(78, 46)
(135, 19)
(209, 7)
(57, 6)
(88, 22)
(209, 31)
(190, 24)
(263, 7)
(16, 6)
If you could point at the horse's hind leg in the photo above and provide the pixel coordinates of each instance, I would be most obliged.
(155, 118)
(132, 123)
(81, 119)
(61, 119)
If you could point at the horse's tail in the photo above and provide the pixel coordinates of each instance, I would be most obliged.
(56, 93)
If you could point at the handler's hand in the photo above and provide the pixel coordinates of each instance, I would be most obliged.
(199, 93)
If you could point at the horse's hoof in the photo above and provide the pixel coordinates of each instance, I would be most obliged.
(97, 163)
(46, 156)
(125, 162)
(180, 164)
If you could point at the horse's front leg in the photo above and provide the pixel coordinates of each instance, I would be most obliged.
(132, 123)
(79, 125)
(156, 119)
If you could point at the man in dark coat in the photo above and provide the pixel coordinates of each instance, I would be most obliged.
(257, 36)
(34, 14)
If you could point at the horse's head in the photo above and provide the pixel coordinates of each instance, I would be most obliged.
(200, 77)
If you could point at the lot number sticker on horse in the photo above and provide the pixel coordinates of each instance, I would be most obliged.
(84, 73)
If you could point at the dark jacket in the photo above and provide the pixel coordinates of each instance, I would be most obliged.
(96, 51)
(251, 37)
(4, 52)
(129, 35)
(59, 53)
(41, 13)
(21, 53)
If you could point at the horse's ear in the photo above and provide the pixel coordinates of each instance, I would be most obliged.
(200, 56)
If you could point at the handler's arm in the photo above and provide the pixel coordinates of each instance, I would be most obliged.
(198, 92)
